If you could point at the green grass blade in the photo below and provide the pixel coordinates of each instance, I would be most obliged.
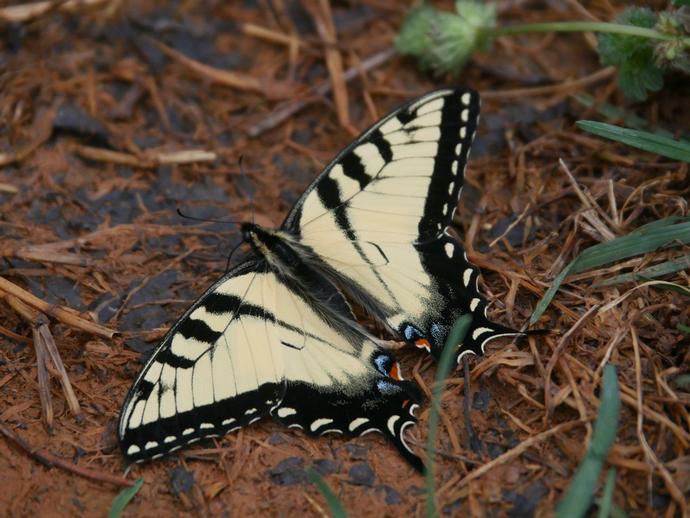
(445, 364)
(665, 233)
(580, 492)
(334, 504)
(614, 113)
(682, 381)
(659, 144)
(684, 328)
(606, 500)
(658, 270)
(123, 498)
(670, 286)
(615, 511)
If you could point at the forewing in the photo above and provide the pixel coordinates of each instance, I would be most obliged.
(377, 220)
(219, 368)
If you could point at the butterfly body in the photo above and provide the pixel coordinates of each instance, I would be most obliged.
(276, 335)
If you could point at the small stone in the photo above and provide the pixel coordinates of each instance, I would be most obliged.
(357, 451)
(276, 438)
(289, 472)
(392, 496)
(325, 466)
(181, 481)
(362, 474)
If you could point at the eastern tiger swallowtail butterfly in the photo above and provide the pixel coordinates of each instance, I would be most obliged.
(276, 335)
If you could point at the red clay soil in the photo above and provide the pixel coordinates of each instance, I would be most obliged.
(96, 104)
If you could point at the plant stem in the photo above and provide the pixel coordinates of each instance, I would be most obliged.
(615, 28)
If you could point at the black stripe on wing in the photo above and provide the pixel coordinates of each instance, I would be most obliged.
(459, 117)
(162, 436)
(456, 281)
(457, 125)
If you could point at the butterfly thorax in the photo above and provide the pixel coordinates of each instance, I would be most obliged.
(276, 246)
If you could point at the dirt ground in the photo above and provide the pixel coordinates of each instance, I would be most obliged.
(114, 115)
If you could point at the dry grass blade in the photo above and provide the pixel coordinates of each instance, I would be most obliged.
(25, 12)
(150, 161)
(593, 212)
(323, 19)
(514, 452)
(282, 113)
(43, 378)
(561, 88)
(565, 339)
(8, 188)
(651, 457)
(58, 312)
(46, 351)
(50, 346)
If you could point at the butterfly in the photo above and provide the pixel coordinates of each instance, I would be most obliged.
(277, 336)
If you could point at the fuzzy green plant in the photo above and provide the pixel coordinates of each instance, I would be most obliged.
(641, 44)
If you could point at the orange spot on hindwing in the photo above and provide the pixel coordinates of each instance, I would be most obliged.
(423, 343)
(395, 372)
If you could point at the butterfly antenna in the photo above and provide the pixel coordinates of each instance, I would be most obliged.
(234, 249)
(243, 173)
(207, 220)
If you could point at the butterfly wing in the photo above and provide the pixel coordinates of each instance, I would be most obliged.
(216, 370)
(256, 344)
(376, 220)
(339, 380)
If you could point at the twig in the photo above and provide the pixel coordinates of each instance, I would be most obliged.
(43, 378)
(271, 88)
(150, 161)
(24, 12)
(49, 460)
(287, 110)
(58, 312)
(49, 344)
(8, 188)
(44, 343)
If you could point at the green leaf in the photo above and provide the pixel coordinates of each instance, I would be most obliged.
(333, 501)
(664, 233)
(658, 270)
(680, 3)
(580, 492)
(123, 498)
(442, 41)
(664, 146)
(685, 329)
(638, 73)
(606, 500)
(456, 336)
